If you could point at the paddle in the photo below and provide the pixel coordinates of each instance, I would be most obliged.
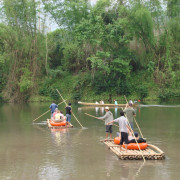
(72, 112)
(98, 118)
(46, 112)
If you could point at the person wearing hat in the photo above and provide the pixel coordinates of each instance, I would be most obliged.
(108, 117)
(52, 107)
(130, 101)
(130, 113)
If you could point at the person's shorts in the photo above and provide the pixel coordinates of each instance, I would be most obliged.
(124, 138)
(109, 128)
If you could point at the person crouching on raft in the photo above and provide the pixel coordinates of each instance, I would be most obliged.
(108, 117)
(55, 112)
(123, 128)
(59, 117)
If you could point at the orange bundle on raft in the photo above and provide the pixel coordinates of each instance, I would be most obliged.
(63, 123)
(131, 145)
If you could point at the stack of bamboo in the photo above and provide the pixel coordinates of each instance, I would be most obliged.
(151, 153)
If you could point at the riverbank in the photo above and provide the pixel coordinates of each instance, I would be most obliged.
(80, 88)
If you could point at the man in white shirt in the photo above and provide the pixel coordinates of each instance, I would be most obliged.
(123, 128)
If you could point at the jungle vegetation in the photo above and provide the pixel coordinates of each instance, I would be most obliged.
(111, 48)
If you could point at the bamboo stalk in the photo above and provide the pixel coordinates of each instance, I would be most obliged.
(72, 112)
(156, 148)
(47, 112)
(98, 118)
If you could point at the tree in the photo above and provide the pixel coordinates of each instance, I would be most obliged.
(23, 47)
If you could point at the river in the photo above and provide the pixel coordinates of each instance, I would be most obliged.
(31, 151)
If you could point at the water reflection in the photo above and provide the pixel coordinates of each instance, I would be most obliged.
(57, 135)
(102, 110)
(115, 112)
(139, 170)
(97, 110)
(109, 165)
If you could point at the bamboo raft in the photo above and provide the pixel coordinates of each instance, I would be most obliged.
(58, 127)
(103, 105)
(151, 153)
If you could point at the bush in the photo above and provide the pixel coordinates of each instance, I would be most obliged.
(100, 84)
(82, 80)
(45, 86)
(142, 92)
(1, 98)
(54, 94)
(166, 94)
(76, 95)
(56, 73)
(124, 88)
(25, 81)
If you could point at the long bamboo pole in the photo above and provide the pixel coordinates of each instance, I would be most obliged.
(46, 112)
(72, 112)
(135, 120)
(98, 118)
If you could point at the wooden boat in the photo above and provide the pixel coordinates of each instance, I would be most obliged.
(151, 153)
(58, 125)
(103, 105)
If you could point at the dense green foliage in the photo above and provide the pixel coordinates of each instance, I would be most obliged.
(110, 49)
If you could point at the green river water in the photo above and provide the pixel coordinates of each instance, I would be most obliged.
(31, 151)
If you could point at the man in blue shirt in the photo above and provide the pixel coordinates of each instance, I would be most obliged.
(52, 107)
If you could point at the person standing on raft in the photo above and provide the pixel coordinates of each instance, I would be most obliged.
(108, 117)
(123, 128)
(130, 113)
(115, 102)
(68, 113)
(52, 107)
